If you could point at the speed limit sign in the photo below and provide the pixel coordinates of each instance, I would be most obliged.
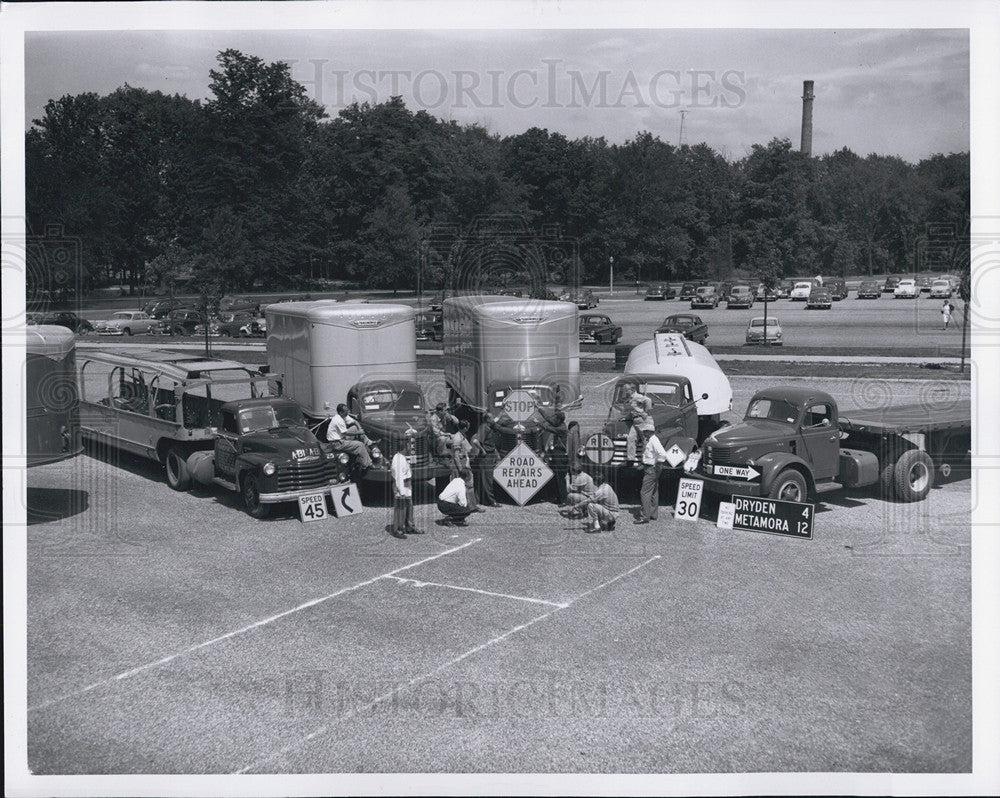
(688, 503)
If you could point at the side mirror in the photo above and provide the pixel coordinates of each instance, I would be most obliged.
(704, 396)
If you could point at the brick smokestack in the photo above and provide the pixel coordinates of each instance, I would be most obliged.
(807, 117)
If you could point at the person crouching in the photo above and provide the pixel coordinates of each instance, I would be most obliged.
(453, 501)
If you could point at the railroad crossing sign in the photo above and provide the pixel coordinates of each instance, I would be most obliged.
(519, 405)
(774, 516)
(522, 473)
(599, 448)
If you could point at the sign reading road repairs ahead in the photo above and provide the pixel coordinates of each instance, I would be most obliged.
(522, 473)
(777, 517)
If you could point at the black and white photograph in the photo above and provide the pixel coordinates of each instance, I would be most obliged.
(504, 398)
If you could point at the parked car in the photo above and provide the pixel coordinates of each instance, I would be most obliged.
(740, 297)
(231, 304)
(820, 297)
(800, 291)
(656, 292)
(180, 322)
(67, 319)
(757, 333)
(837, 288)
(159, 308)
(687, 291)
(689, 325)
(584, 300)
(705, 297)
(906, 289)
(889, 286)
(243, 324)
(924, 284)
(784, 289)
(762, 293)
(941, 289)
(598, 329)
(126, 322)
(869, 289)
(430, 325)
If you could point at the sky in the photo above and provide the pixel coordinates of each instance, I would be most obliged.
(885, 91)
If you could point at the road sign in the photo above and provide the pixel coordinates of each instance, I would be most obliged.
(675, 456)
(519, 405)
(776, 517)
(737, 472)
(522, 473)
(599, 448)
(688, 503)
(312, 507)
(346, 499)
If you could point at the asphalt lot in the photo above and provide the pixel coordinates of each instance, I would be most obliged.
(172, 633)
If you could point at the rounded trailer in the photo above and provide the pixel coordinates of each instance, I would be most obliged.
(52, 404)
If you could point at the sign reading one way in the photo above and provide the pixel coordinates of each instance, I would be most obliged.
(522, 473)
(519, 405)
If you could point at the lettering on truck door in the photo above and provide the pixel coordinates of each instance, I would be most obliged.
(821, 439)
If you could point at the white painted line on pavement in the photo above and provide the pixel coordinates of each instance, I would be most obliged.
(431, 673)
(418, 583)
(255, 625)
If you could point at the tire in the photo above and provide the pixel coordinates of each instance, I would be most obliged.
(914, 476)
(175, 464)
(887, 482)
(790, 486)
(250, 489)
(127, 332)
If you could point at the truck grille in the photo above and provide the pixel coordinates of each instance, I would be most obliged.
(718, 455)
(421, 453)
(508, 440)
(302, 476)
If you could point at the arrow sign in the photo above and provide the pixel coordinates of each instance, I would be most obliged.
(737, 472)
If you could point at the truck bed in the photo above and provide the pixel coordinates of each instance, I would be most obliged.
(902, 419)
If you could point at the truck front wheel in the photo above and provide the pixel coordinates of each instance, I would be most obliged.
(251, 497)
(175, 464)
(914, 476)
(790, 486)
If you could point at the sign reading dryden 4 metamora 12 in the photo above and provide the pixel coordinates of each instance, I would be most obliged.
(522, 473)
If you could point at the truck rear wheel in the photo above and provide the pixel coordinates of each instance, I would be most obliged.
(175, 464)
(251, 497)
(790, 486)
(887, 482)
(914, 476)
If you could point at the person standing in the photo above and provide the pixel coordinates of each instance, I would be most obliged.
(460, 449)
(653, 458)
(442, 423)
(946, 311)
(554, 423)
(453, 501)
(484, 460)
(402, 491)
(346, 435)
(640, 407)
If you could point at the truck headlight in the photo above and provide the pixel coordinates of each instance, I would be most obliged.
(269, 469)
(343, 458)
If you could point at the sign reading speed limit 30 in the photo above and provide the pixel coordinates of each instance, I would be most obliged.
(688, 503)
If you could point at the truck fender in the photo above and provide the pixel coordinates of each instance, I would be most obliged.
(770, 465)
(201, 466)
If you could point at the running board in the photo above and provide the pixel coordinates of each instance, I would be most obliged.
(826, 487)
(225, 483)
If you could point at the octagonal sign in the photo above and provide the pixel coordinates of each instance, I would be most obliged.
(522, 473)
(519, 405)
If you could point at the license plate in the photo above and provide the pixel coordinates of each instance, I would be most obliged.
(312, 507)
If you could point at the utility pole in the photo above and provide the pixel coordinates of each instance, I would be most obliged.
(611, 260)
(680, 137)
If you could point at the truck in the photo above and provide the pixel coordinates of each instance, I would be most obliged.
(688, 390)
(362, 355)
(509, 357)
(52, 408)
(793, 444)
(185, 412)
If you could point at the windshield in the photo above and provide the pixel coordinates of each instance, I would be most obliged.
(386, 399)
(662, 394)
(268, 416)
(773, 410)
(122, 316)
(760, 323)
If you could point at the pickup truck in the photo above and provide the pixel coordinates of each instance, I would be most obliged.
(264, 451)
(793, 443)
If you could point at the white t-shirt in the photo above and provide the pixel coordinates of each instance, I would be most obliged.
(337, 431)
(401, 473)
(654, 451)
(455, 492)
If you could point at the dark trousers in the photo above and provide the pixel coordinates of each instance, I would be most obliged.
(482, 469)
(649, 493)
(402, 514)
(454, 509)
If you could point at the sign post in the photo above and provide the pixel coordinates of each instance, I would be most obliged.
(773, 516)
(522, 473)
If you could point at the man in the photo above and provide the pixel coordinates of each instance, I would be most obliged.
(453, 501)
(554, 423)
(602, 507)
(946, 309)
(653, 458)
(460, 448)
(402, 491)
(442, 422)
(579, 489)
(344, 432)
(639, 410)
(485, 459)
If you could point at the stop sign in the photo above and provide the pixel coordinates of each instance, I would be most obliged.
(519, 405)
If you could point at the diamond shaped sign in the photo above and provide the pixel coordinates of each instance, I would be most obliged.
(519, 405)
(675, 456)
(522, 473)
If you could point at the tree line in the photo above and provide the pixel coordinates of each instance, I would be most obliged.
(257, 188)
